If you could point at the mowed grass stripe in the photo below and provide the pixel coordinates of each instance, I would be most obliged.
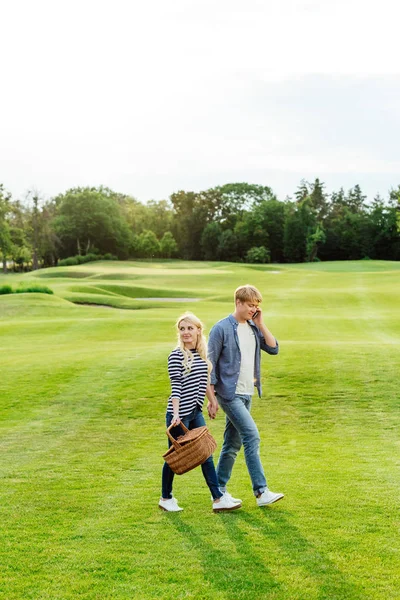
(87, 388)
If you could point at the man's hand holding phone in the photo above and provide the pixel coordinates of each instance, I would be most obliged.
(257, 317)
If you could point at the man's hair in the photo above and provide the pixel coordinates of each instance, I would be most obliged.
(248, 293)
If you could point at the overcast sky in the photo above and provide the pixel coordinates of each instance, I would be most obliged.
(152, 96)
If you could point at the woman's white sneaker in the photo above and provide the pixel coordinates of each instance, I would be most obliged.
(170, 505)
(268, 497)
(225, 503)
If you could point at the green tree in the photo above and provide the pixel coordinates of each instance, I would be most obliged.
(303, 191)
(294, 235)
(251, 230)
(319, 200)
(394, 198)
(148, 246)
(346, 227)
(227, 247)
(5, 237)
(355, 200)
(314, 240)
(191, 215)
(383, 232)
(210, 239)
(159, 216)
(258, 254)
(87, 220)
(168, 245)
(21, 255)
(135, 213)
(264, 226)
(238, 198)
(300, 225)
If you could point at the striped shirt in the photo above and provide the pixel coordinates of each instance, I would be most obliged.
(189, 387)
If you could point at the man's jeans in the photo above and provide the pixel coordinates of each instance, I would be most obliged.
(193, 420)
(240, 429)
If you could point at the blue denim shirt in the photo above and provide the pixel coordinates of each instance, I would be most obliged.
(224, 354)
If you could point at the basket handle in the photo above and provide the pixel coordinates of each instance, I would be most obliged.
(176, 444)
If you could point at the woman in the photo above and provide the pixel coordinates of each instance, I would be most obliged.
(189, 369)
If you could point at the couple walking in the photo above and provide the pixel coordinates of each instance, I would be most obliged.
(227, 375)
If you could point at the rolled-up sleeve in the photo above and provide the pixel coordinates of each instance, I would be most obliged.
(269, 349)
(175, 372)
(214, 351)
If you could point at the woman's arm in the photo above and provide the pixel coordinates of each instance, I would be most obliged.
(175, 369)
(212, 405)
(175, 405)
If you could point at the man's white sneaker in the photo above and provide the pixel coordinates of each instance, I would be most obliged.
(225, 503)
(268, 497)
(170, 505)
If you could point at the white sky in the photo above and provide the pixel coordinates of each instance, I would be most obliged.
(149, 97)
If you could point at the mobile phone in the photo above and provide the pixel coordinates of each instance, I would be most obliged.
(256, 314)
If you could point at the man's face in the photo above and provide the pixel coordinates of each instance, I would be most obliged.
(246, 310)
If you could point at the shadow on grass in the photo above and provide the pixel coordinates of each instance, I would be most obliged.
(248, 571)
(241, 573)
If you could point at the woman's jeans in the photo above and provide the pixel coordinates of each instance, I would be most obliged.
(195, 419)
(240, 428)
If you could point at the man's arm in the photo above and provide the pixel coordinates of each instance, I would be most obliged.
(268, 342)
(215, 341)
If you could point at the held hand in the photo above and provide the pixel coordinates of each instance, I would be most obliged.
(175, 420)
(211, 412)
(212, 408)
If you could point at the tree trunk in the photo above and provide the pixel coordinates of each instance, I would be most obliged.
(35, 261)
(4, 265)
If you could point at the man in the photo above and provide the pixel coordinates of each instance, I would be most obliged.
(234, 349)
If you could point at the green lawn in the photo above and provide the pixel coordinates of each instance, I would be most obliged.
(83, 392)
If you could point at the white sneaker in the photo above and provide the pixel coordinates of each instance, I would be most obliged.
(225, 503)
(170, 505)
(235, 500)
(268, 497)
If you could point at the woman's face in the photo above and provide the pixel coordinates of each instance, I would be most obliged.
(188, 333)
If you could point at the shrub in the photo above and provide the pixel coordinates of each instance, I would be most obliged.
(80, 259)
(6, 289)
(109, 256)
(91, 257)
(68, 262)
(34, 289)
(258, 254)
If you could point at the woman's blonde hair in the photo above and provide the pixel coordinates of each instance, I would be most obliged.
(201, 344)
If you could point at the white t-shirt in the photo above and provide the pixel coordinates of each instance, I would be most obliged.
(247, 344)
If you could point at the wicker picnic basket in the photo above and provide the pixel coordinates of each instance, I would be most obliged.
(189, 450)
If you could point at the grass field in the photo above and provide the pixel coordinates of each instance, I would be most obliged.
(83, 392)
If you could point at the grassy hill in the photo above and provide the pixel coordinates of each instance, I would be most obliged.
(83, 391)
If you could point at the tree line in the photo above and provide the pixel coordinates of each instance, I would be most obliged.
(234, 222)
